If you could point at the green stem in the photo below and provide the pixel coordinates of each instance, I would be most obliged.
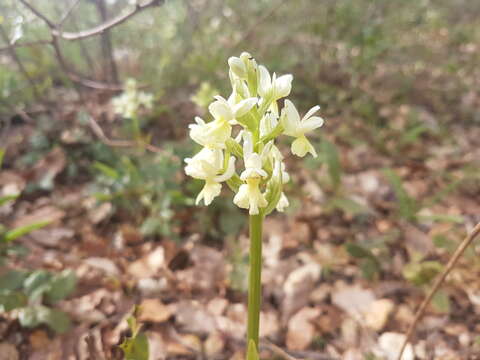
(254, 281)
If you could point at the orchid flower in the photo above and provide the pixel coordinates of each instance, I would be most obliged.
(297, 128)
(207, 165)
(253, 108)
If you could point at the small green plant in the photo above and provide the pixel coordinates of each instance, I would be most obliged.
(408, 208)
(144, 186)
(135, 347)
(31, 293)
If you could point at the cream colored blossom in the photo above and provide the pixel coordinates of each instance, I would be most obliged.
(296, 127)
(253, 108)
(250, 197)
(273, 87)
(207, 165)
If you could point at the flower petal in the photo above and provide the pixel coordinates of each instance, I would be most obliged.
(311, 124)
(290, 118)
(283, 86)
(301, 146)
(238, 67)
(229, 172)
(310, 112)
(244, 106)
(265, 84)
(220, 109)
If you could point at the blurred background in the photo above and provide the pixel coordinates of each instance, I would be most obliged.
(96, 214)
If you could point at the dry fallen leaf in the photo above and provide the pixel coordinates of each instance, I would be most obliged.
(389, 345)
(153, 310)
(301, 331)
(376, 317)
(297, 288)
(149, 265)
(214, 344)
(353, 299)
(8, 352)
(45, 213)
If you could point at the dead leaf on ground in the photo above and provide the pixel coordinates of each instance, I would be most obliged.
(353, 299)
(301, 331)
(8, 352)
(48, 213)
(153, 310)
(149, 265)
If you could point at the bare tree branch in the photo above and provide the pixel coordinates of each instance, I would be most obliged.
(98, 131)
(97, 29)
(68, 12)
(110, 67)
(25, 44)
(58, 34)
(19, 63)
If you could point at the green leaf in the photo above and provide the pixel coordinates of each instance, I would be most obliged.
(5, 199)
(252, 353)
(347, 205)
(332, 159)
(12, 300)
(106, 170)
(370, 268)
(455, 219)
(422, 273)
(358, 251)
(33, 316)
(407, 206)
(136, 346)
(441, 302)
(57, 320)
(23, 230)
(12, 280)
(28, 317)
(37, 284)
(2, 151)
(60, 286)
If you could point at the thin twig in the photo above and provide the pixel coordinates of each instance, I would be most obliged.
(68, 12)
(277, 350)
(251, 30)
(25, 44)
(19, 63)
(58, 34)
(98, 131)
(451, 263)
(96, 29)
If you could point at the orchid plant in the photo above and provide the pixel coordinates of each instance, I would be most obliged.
(245, 126)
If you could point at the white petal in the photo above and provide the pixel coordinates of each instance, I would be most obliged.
(282, 203)
(229, 172)
(220, 109)
(247, 144)
(244, 106)
(301, 146)
(311, 124)
(241, 197)
(290, 118)
(310, 112)
(283, 86)
(210, 191)
(238, 67)
(265, 84)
